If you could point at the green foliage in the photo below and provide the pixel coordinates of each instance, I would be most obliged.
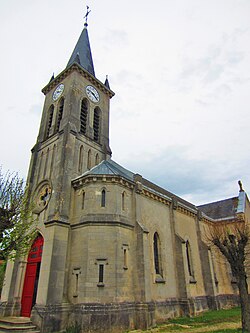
(16, 219)
(228, 330)
(73, 328)
(2, 272)
(210, 317)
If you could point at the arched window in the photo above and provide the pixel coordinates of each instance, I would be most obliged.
(80, 159)
(157, 254)
(123, 200)
(89, 160)
(97, 159)
(189, 259)
(103, 198)
(96, 124)
(84, 116)
(59, 114)
(50, 119)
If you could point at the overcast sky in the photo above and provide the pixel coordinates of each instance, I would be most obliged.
(180, 70)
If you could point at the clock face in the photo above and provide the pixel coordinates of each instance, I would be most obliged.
(58, 91)
(92, 94)
(42, 197)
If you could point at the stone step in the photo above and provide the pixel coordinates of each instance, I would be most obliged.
(17, 325)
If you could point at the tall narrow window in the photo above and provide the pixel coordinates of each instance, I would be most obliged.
(50, 119)
(89, 160)
(83, 199)
(101, 273)
(80, 162)
(189, 259)
(125, 259)
(103, 199)
(156, 253)
(60, 114)
(123, 200)
(83, 116)
(96, 124)
(97, 159)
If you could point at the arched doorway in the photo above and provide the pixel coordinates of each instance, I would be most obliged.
(32, 277)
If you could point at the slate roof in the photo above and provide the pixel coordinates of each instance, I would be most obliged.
(82, 53)
(220, 209)
(109, 167)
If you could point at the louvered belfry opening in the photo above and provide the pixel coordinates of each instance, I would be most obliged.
(51, 112)
(83, 116)
(60, 114)
(96, 124)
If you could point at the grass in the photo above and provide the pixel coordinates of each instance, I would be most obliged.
(218, 321)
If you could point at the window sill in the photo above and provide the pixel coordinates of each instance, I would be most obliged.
(192, 280)
(159, 279)
(100, 284)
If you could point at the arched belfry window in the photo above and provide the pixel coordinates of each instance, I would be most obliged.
(50, 119)
(59, 114)
(96, 124)
(157, 262)
(103, 198)
(189, 259)
(83, 116)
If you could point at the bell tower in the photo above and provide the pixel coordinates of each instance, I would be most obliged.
(74, 130)
(73, 137)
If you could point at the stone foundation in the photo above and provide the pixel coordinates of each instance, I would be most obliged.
(117, 317)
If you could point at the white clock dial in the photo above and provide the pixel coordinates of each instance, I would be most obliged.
(92, 94)
(58, 91)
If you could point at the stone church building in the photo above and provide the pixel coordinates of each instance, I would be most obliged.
(113, 250)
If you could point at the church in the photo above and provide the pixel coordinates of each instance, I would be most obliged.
(113, 250)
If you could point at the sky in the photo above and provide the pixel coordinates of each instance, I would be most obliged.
(180, 71)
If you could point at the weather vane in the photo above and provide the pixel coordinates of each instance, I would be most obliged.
(86, 15)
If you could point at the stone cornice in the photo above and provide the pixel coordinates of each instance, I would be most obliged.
(81, 71)
(156, 196)
(143, 190)
(115, 179)
(103, 223)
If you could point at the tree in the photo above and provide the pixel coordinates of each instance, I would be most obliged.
(232, 241)
(16, 219)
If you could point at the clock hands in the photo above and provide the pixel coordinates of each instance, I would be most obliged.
(92, 93)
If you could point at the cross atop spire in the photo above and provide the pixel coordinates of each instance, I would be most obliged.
(86, 16)
(82, 51)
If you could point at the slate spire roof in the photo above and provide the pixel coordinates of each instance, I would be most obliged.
(82, 52)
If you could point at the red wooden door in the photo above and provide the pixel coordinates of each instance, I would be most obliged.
(31, 277)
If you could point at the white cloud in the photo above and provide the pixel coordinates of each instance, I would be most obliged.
(180, 71)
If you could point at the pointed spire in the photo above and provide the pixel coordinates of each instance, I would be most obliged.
(106, 83)
(82, 52)
(52, 78)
